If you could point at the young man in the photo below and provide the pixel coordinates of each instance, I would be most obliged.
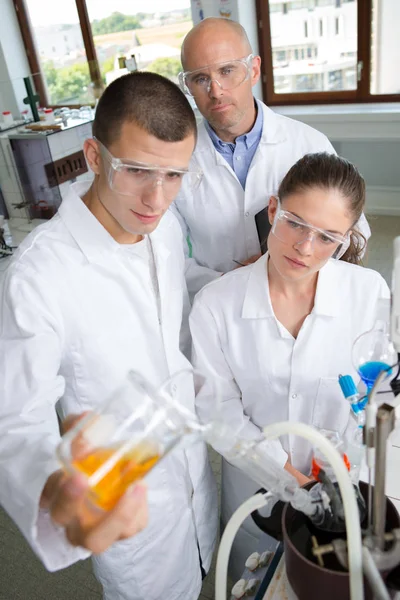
(94, 293)
(244, 150)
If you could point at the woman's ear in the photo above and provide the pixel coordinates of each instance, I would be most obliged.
(272, 208)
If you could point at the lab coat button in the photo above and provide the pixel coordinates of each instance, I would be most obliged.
(174, 388)
(246, 214)
(238, 158)
(294, 396)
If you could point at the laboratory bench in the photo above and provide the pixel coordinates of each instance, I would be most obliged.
(37, 168)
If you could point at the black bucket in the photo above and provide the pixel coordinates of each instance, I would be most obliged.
(308, 580)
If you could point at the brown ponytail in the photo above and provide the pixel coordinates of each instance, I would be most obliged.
(328, 171)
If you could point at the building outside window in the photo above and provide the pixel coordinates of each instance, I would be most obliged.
(81, 47)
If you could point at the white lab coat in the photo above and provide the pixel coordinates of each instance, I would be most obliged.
(74, 321)
(219, 216)
(263, 375)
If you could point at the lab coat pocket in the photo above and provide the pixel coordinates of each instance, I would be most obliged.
(331, 411)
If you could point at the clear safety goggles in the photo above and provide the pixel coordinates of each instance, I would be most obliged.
(131, 178)
(228, 75)
(291, 230)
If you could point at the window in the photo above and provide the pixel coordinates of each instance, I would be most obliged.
(385, 47)
(80, 49)
(56, 37)
(295, 4)
(345, 51)
(280, 56)
(154, 40)
(276, 7)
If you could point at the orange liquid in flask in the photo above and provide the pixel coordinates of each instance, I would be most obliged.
(129, 468)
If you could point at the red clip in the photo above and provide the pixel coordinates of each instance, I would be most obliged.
(315, 469)
(346, 462)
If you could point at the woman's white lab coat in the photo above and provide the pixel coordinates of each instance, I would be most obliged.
(74, 321)
(263, 375)
(219, 215)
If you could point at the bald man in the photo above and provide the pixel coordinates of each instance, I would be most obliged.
(244, 150)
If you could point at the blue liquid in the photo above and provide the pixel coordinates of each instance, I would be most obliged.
(369, 372)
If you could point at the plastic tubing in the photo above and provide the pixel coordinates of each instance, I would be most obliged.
(374, 577)
(234, 523)
(352, 517)
(254, 460)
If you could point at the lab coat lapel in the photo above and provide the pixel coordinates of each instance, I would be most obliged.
(162, 261)
(205, 145)
(272, 134)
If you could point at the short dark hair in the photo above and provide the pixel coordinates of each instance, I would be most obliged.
(151, 101)
(328, 171)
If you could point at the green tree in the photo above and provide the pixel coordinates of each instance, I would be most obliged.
(68, 84)
(50, 72)
(114, 23)
(168, 67)
(108, 65)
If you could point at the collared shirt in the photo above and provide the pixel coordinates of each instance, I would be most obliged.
(239, 154)
(262, 374)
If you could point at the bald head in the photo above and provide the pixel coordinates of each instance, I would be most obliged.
(219, 50)
(212, 37)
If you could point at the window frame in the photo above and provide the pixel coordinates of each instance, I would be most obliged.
(33, 58)
(360, 95)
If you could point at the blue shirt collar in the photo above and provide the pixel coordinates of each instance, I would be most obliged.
(250, 138)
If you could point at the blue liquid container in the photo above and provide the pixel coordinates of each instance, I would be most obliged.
(369, 371)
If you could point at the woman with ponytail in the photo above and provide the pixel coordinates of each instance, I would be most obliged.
(272, 337)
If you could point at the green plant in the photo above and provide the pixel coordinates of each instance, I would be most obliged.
(69, 84)
(114, 23)
(168, 67)
(108, 65)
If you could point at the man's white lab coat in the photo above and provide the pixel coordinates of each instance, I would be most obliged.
(74, 321)
(263, 375)
(219, 215)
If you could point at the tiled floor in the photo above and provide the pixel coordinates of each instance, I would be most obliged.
(22, 577)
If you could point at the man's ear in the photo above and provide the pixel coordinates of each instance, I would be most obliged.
(255, 70)
(92, 154)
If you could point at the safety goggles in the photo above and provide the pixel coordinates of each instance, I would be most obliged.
(131, 178)
(291, 230)
(228, 75)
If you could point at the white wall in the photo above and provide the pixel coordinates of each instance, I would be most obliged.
(247, 17)
(7, 96)
(13, 62)
(369, 136)
(387, 51)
